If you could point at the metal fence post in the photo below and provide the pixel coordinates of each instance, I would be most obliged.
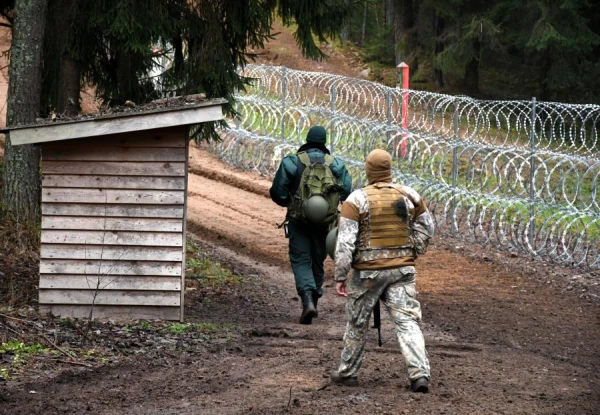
(405, 69)
(388, 113)
(455, 125)
(332, 97)
(532, 178)
(283, 94)
(237, 118)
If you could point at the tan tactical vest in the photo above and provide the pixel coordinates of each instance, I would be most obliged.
(383, 234)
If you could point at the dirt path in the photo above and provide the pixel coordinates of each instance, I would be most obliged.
(500, 339)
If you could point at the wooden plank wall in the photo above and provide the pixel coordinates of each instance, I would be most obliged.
(113, 225)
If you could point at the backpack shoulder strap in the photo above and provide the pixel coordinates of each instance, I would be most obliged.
(303, 161)
(304, 158)
(329, 160)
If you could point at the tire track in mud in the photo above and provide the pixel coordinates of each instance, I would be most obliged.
(231, 180)
(225, 206)
(237, 216)
(205, 164)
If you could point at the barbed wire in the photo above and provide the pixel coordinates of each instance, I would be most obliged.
(487, 175)
(557, 126)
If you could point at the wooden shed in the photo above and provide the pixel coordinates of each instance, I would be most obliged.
(113, 211)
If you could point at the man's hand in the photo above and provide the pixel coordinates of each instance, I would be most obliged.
(340, 288)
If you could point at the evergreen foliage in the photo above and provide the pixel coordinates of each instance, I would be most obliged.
(138, 50)
(466, 44)
(507, 49)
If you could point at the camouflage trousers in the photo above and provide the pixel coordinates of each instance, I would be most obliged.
(396, 288)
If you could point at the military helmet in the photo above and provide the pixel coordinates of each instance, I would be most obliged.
(315, 209)
(330, 242)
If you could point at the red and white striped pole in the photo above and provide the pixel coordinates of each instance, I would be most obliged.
(403, 73)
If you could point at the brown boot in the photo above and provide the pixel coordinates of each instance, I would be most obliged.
(308, 308)
(349, 381)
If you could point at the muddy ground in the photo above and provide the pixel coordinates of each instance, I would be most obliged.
(505, 334)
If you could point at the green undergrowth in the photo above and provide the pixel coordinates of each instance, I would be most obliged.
(206, 272)
(18, 349)
(14, 354)
(21, 356)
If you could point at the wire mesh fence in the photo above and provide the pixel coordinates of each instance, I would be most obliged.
(521, 175)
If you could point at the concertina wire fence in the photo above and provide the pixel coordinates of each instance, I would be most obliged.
(518, 175)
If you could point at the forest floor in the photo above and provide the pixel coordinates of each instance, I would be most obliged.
(282, 51)
(505, 334)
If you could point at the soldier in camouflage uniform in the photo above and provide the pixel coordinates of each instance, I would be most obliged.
(382, 229)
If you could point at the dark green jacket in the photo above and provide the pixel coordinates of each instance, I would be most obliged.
(285, 179)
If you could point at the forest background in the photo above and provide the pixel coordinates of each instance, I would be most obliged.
(501, 49)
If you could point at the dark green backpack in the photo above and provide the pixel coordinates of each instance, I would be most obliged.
(314, 177)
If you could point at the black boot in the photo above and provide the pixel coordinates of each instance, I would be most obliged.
(336, 378)
(420, 385)
(315, 298)
(308, 308)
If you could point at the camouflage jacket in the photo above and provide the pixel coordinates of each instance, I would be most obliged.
(356, 206)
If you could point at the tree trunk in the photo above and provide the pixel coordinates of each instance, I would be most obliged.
(472, 71)
(61, 73)
(472, 77)
(389, 12)
(345, 32)
(68, 88)
(439, 48)
(21, 191)
(364, 26)
(544, 94)
(404, 22)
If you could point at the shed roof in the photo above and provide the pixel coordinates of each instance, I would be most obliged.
(164, 114)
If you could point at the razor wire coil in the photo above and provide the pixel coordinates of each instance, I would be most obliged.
(520, 176)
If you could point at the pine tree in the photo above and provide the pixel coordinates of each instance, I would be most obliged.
(119, 45)
(565, 48)
(464, 45)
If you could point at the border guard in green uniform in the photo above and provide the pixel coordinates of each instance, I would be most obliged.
(311, 184)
